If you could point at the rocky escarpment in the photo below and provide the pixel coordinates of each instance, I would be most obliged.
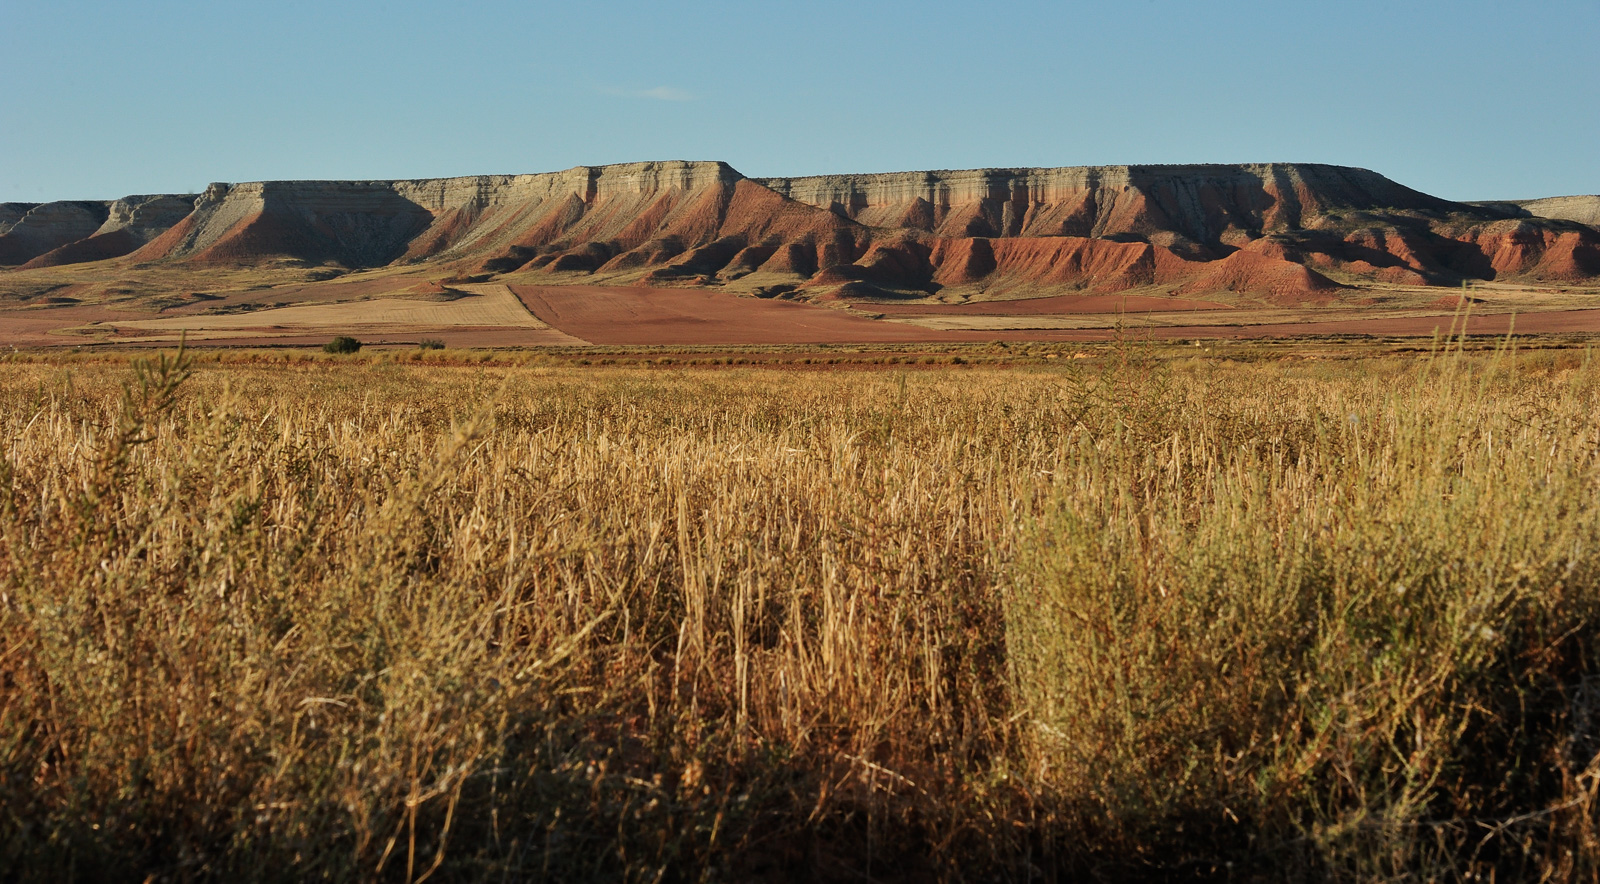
(1278, 231)
(130, 223)
(11, 213)
(351, 223)
(1582, 209)
(47, 226)
(1349, 222)
(1197, 211)
(486, 218)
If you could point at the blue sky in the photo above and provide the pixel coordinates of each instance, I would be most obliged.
(1468, 100)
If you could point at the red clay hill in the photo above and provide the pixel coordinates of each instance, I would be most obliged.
(1285, 232)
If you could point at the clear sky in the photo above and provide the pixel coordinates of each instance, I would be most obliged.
(1464, 99)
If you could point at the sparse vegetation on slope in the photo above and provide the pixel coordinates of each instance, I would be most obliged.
(1136, 619)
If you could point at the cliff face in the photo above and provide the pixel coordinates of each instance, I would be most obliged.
(354, 223)
(1193, 210)
(1281, 231)
(11, 213)
(370, 223)
(1582, 209)
(48, 226)
(130, 223)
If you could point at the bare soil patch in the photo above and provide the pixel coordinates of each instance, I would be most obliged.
(635, 315)
(486, 313)
(329, 292)
(48, 326)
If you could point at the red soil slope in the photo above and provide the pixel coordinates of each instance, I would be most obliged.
(99, 247)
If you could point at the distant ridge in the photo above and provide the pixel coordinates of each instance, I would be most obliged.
(1286, 232)
(1584, 209)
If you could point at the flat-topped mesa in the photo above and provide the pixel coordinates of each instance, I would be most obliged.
(357, 223)
(1193, 207)
(1285, 230)
(367, 223)
(1582, 209)
(632, 179)
(48, 226)
(504, 220)
(147, 213)
(588, 183)
(130, 223)
(11, 213)
(478, 192)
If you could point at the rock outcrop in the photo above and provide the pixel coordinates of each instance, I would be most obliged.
(131, 222)
(49, 226)
(11, 213)
(352, 223)
(1195, 211)
(1282, 232)
(1582, 209)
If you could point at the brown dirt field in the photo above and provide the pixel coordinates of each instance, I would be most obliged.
(628, 315)
(609, 316)
(331, 291)
(484, 306)
(1070, 304)
(492, 312)
(42, 326)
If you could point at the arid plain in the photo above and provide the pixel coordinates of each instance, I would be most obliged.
(1113, 523)
(683, 253)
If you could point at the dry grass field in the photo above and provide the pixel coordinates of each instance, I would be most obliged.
(1136, 616)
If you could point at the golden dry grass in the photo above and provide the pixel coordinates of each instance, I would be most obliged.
(1123, 619)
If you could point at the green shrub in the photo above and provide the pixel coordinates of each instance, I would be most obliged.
(342, 344)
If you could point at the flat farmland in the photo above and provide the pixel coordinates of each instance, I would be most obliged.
(396, 307)
(488, 309)
(638, 315)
